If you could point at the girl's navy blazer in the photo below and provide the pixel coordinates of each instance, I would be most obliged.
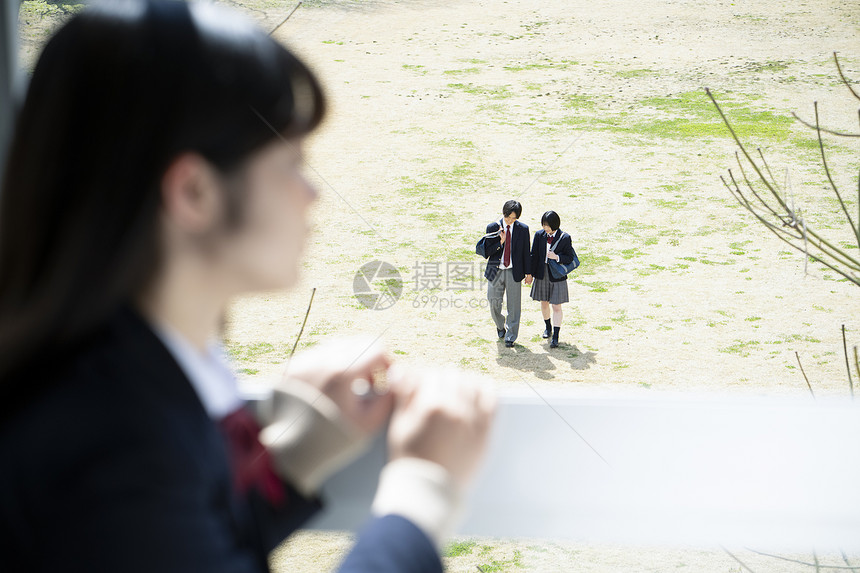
(563, 248)
(115, 466)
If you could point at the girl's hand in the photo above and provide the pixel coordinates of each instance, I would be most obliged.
(551, 255)
(441, 415)
(339, 367)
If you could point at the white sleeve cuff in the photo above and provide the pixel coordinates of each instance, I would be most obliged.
(421, 491)
(306, 435)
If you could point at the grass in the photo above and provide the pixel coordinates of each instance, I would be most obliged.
(669, 204)
(651, 269)
(258, 352)
(770, 66)
(689, 115)
(454, 142)
(477, 342)
(739, 248)
(40, 8)
(630, 253)
(545, 64)
(631, 227)
(620, 317)
(415, 68)
(579, 101)
(456, 549)
(788, 338)
(492, 92)
(740, 347)
(459, 178)
(693, 115)
(573, 318)
(597, 286)
(642, 72)
(499, 564)
(462, 71)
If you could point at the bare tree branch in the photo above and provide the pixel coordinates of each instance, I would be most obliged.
(847, 367)
(830, 178)
(808, 385)
(776, 211)
(807, 563)
(304, 322)
(830, 131)
(841, 75)
(741, 563)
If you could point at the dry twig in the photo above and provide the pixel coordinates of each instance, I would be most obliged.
(760, 194)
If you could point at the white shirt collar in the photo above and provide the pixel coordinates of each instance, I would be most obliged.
(546, 256)
(209, 372)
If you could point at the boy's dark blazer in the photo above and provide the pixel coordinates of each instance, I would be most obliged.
(519, 251)
(562, 247)
(116, 466)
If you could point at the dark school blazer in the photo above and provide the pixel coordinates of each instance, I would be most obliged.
(116, 466)
(564, 250)
(519, 251)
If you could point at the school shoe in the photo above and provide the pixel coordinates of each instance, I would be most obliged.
(509, 343)
(501, 332)
(553, 343)
(545, 333)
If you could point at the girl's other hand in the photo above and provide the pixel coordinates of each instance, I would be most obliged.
(443, 416)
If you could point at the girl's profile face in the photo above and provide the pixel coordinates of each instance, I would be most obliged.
(263, 253)
(547, 228)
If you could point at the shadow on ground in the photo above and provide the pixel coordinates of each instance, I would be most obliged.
(539, 363)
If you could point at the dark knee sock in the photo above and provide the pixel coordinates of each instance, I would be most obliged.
(555, 332)
(548, 323)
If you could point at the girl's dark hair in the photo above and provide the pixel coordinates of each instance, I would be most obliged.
(117, 94)
(552, 219)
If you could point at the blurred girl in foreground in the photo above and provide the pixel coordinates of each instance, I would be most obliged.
(153, 176)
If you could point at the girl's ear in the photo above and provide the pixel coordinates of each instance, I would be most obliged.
(191, 195)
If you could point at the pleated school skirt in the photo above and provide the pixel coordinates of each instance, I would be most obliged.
(545, 289)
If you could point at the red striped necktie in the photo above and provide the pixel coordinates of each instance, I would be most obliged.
(507, 256)
(249, 459)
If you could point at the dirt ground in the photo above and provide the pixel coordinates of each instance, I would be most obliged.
(441, 111)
